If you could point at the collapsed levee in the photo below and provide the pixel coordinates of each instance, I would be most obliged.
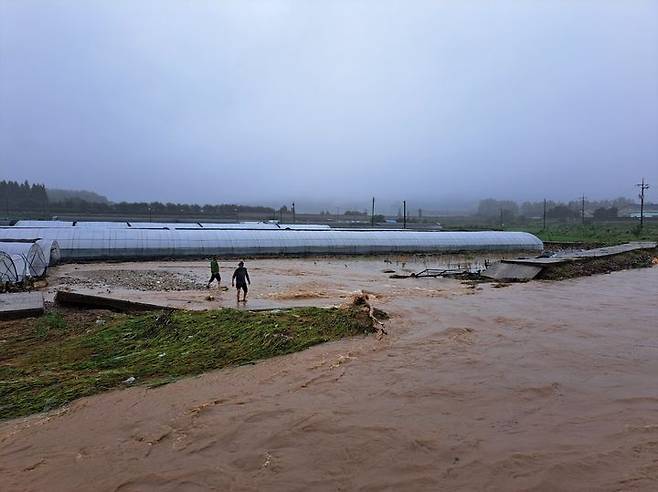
(64, 355)
(575, 264)
(596, 265)
(95, 301)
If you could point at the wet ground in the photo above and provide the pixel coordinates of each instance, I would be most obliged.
(537, 386)
(276, 282)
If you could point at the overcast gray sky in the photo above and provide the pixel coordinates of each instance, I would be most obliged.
(254, 101)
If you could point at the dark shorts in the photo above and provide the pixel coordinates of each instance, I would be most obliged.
(242, 286)
(215, 276)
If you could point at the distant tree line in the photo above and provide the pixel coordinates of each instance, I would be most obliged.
(56, 195)
(351, 213)
(23, 197)
(510, 210)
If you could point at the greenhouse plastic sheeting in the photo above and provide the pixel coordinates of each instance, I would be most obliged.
(32, 253)
(89, 243)
(267, 225)
(50, 250)
(20, 265)
(43, 223)
(7, 269)
(168, 225)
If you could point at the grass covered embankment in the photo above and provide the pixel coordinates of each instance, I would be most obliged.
(49, 361)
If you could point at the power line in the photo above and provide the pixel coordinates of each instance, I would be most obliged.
(372, 216)
(643, 187)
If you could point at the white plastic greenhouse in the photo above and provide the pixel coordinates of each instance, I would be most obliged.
(35, 262)
(89, 243)
(168, 225)
(50, 250)
(7, 269)
(20, 265)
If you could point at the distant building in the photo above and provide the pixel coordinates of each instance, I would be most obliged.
(648, 214)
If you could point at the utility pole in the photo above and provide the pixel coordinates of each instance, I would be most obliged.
(404, 214)
(372, 215)
(544, 228)
(337, 212)
(293, 213)
(582, 209)
(501, 219)
(643, 186)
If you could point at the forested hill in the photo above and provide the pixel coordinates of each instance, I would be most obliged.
(27, 198)
(22, 196)
(57, 195)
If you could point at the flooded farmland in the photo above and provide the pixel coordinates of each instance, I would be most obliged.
(543, 385)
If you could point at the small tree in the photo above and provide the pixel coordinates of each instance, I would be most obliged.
(603, 213)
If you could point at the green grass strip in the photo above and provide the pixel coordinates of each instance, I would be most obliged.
(52, 361)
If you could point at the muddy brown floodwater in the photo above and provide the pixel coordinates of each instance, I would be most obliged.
(537, 386)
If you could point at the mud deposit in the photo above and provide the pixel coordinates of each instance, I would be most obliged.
(537, 386)
(154, 280)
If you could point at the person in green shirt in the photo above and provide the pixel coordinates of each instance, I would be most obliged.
(214, 272)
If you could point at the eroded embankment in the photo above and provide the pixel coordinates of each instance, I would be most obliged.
(607, 264)
(49, 361)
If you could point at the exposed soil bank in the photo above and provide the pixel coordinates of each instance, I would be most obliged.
(606, 264)
(47, 362)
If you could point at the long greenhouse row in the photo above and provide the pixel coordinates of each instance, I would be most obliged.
(169, 225)
(99, 243)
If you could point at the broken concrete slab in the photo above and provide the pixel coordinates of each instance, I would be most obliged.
(583, 255)
(69, 298)
(511, 271)
(613, 250)
(21, 305)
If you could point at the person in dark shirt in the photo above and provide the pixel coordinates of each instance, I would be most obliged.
(240, 280)
(214, 272)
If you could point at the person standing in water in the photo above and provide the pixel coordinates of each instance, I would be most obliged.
(214, 272)
(240, 280)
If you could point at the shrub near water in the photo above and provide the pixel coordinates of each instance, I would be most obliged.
(155, 349)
